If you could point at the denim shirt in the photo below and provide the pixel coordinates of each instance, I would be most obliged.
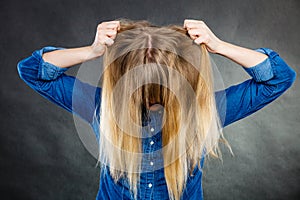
(269, 79)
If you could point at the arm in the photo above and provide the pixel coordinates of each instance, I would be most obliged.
(201, 34)
(106, 33)
(270, 79)
(271, 76)
(52, 83)
(65, 58)
(44, 71)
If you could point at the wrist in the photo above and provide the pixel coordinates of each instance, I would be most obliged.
(221, 47)
(91, 53)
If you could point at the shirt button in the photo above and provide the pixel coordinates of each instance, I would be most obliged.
(151, 163)
(151, 142)
(150, 185)
(152, 129)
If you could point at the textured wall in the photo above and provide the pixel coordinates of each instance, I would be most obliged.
(41, 155)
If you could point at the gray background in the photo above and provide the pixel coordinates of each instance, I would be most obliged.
(41, 155)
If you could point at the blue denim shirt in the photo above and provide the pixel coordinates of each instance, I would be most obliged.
(269, 79)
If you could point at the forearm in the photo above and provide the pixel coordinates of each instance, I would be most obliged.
(240, 55)
(68, 57)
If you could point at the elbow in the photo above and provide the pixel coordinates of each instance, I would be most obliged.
(285, 73)
(21, 70)
(26, 69)
(287, 82)
(291, 77)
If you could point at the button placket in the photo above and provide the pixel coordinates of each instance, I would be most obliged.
(152, 129)
(152, 143)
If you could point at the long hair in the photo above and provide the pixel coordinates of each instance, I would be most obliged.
(148, 64)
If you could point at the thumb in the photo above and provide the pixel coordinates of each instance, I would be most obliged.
(108, 41)
(199, 40)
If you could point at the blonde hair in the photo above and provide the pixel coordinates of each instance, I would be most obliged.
(149, 64)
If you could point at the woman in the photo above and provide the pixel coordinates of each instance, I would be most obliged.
(159, 114)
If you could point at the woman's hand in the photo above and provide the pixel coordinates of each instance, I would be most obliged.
(201, 34)
(105, 35)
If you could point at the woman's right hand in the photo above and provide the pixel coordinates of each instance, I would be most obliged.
(105, 35)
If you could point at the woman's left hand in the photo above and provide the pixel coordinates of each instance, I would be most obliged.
(201, 34)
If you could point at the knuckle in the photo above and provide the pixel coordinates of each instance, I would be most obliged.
(101, 36)
(100, 26)
(190, 31)
(109, 32)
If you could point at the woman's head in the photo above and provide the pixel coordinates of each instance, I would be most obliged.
(148, 64)
(140, 44)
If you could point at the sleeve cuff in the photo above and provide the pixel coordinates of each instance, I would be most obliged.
(48, 71)
(262, 71)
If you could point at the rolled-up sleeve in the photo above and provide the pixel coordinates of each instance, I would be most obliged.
(270, 79)
(51, 82)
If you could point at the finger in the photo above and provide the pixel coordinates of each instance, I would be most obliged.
(193, 23)
(111, 25)
(118, 25)
(112, 36)
(111, 22)
(110, 33)
(193, 37)
(199, 40)
(104, 40)
(108, 41)
(189, 22)
(195, 31)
